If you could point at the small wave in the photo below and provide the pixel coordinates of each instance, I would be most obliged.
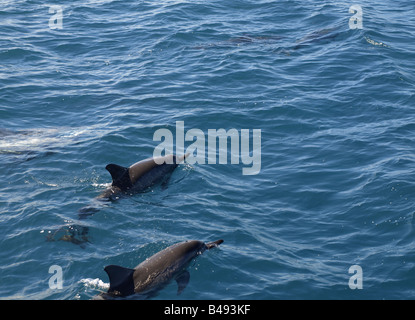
(95, 284)
(101, 185)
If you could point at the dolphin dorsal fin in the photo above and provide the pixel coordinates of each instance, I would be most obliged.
(120, 176)
(121, 280)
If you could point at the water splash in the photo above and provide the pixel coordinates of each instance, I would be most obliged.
(95, 284)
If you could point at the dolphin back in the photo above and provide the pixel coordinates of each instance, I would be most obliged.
(156, 271)
(144, 173)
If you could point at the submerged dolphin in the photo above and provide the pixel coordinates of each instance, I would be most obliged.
(328, 34)
(236, 41)
(154, 273)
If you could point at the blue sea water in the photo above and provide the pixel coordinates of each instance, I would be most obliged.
(336, 110)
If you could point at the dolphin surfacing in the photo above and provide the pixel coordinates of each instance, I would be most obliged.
(137, 178)
(140, 175)
(151, 275)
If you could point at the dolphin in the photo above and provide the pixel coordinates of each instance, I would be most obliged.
(327, 34)
(237, 41)
(139, 176)
(154, 273)
(134, 179)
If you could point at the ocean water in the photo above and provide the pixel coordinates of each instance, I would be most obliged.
(90, 82)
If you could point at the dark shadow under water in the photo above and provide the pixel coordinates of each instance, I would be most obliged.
(79, 234)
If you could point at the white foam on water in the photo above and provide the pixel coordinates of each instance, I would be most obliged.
(95, 284)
